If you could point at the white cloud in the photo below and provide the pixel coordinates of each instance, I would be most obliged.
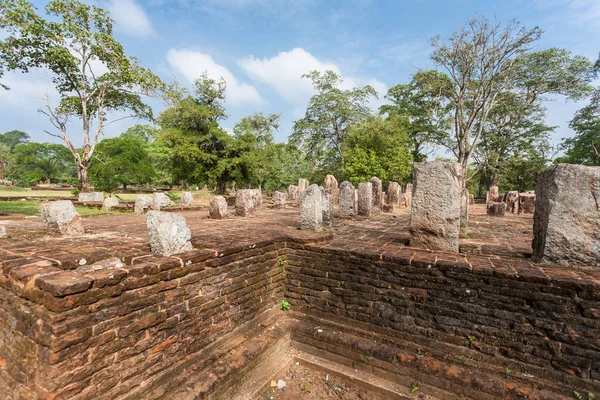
(284, 71)
(130, 17)
(191, 64)
(26, 90)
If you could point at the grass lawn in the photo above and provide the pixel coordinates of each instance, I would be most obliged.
(32, 207)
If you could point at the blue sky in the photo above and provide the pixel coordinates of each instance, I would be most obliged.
(262, 47)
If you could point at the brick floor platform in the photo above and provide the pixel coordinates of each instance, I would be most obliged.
(485, 323)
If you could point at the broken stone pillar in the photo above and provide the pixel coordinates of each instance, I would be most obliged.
(331, 186)
(464, 208)
(394, 192)
(471, 199)
(302, 185)
(496, 208)
(293, 192)
(244, 203)
(311, 208)
(347, 200)
(109, 203)
(408, 195)
(327, 207)
(365, 198)
(61, 216)
(217, 208)
(169, 233)
(436, 206)
(526, 203)
(492, 195)
(566, 223)
(160, 200)
(279, 199)
(142, 203)
(91, 197)
(511, 198)
(377, 196)
(187, 199)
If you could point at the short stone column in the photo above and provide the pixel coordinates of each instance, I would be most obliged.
(169, 233)
(436, 206)
(377, 196)
(279, 199)
(302, 185)
(217, 208)
(109, 203)
(408, 192)
(394, 191)
(471, 199)
(331, 187)
(61, 216)
(526, 203)
(511, 198)
(566, 223)
(187, 199)
(142, 203)
(492, 195)
(244, 204)
(91, 197)
(365, 198)
(292, 192)
(347, 200)
(160, 200)
(311, 208)
(327, 207)
(496, 208)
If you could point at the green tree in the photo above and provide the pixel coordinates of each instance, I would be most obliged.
(88, 66)
(325, 126)
(285, 166)
(424, 102)
(37, 162)
(119, 161)
(377, 147)
(13, 138)
(6, 161)
(584, 147)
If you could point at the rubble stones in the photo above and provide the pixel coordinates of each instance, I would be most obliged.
(566, 223)
(109, 203)
(217, 208)
(347, 200)
(142, 203)
(511, 199)
(331, 187)
(160, 200)
(377, 196)
(169, 233)
(436, 206)
(279, 199)
(311, 208)
(187, 199)
(496, 208)
(91, 197)
(365, 198)
(394, 192)
(61, 216)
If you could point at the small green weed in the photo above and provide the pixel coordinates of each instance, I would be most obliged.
(471, 338)
(281, 262)
(364, 358)
(285, 305)
(420, 354)
(415, 388)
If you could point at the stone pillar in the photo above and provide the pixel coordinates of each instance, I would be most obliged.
(160, 200)
(464, 208)
(109, 203)
(365, 198)
(496, 208)
(347, 200)
(169, 233)
(436, 206)
(526, 203)
(61, 216)
(408, 195)
(244, 203)
(142, 203)
(302, 185)
(471, 199)
(311, 208)
(492, 195)
(377, 196)
(393, 194)
(327, 207)
(217, 208)
(511, 198)
(92, 197)
(293, 192)
(566, 223)
(279, 199)
(331, 186)
(187, 199)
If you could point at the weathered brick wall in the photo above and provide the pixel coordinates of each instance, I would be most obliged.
(504, 315)
(113, 332)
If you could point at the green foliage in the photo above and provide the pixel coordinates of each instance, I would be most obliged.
(325, 127)
(378, 148)
(284, 305)
(415, 388)
(119, 161)
(13, 138)
(35, 162)
(584, 147)
(173, 196)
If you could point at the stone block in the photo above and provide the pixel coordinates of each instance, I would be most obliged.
(187, 199)
(91, 197)
(492, 195)
(566, 223)
(496, 208)
(471, 199)
(169, 233)
(408, 193)
(160, 200)
(436, 206)
(247, 201)
(311, 208)
(331, 187)
(511, 199)
(293, 192)
(63, 283)
(347, 200)
(365, 198)
(279, 199)
(109, 203)
(394, 192)
(526, 203)
(142, 203)
(327, 207)
(61, 216)
(377, 196)
(217, 208)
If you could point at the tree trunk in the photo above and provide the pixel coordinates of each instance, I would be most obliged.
(82, 171)
(124, 186)
(221, 186)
